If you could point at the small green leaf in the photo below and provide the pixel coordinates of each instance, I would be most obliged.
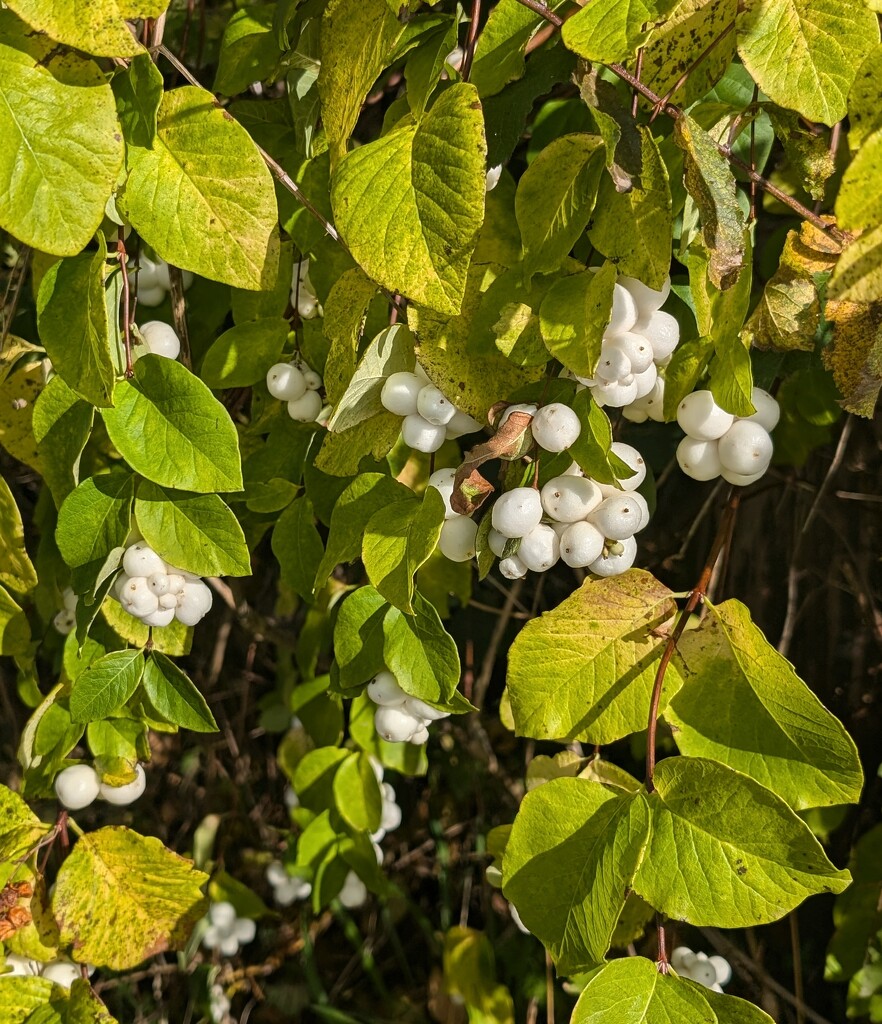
(61, 424)
(420, 653)
(138, 92)
(357, 794)
(95, 519)
(106, 685)
(397, 540)
(172, 430)
(555, 198)
(249, 51)
(204, 162)
(727, 851)
(298, 547)
(572, 855)
(22, 999)
(613, 30)
(359, 638)
(242, 355)
(115, 875)
(573, 316)
(858, 204)
(857, 913)
(313, 778)
(344, 320)
(499, 55)
(744, 705)
(864, 112)
(592, 449)
(63, 149)
(391, 351)
(585, 670)
(411, 203)
(16, 570)
(15, 633)
(196, 532)
(175, 696)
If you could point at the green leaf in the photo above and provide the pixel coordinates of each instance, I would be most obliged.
(61, 425)
(804, 54)
(632, 991)
(420, 653)
(172, 430)
(572, 855)
(20, 828)
(115, 875)
(585, 670)
(397, 540)
(390, 352)
(100, 28)
(242, 355)
(744, 705)
(21, 999)
(138, 92)
(95, 518)
(499, 55)
(271, 304)
(298, 547)
(592, 449)
(615, 125)
(118, 740)
(710, 182)
(342, 454)
(858, 204)
(106, 685)
(196, 532)
(410, 205)
(357, 38)
(63, 149)
(249, 51)
(345, 315)
(427, 62)
(84, 1007)
(555, 198)
(727, 851)
(633, 227)
(72, 321)
(204, 162)
(245, 900)
(357, 794)
(864, 112)
(359, 638)
(858, 274)
(573, 316)
(613, 30)
(175, 696)
(857, 913)
(16, 570)
(313, 778)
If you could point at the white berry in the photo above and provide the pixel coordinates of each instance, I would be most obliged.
(457, 540)
(646, 298)
(568, 499)
(768, 412)
(615, 563)
(745, 448)
(160, 339)
(77, 786)
(400, 393)
(395, 724)
(556, 427)
(699, 459)
(420, 709)
(613, 364)
(461, 423)
(512, 568)
(496, 542)
(517, 511)
(623, 315)
(422, 435)
(137, 598)
(61, 972)
(384, 690)
(633, 459)
(442, 480)
(119, 796)
(540, 549)
(160, 618)
(434, 407)
(581, 544)
(285, 382)
(194, 603)
(645, 382)
(141, 560)
(700, 417)
(636, 350)
(615, 395)
(663, 334)
(305, 409)
(617, 517)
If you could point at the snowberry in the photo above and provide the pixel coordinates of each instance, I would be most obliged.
(141, 560)
(540, 549)
(119, 796)
(745, 448)
(77, 786)
(65, 620)
(492, 177)
(612, 365)
(700, 417)
(421, 375)
(158, 583)
(512, 568)
(647, 299)
(61, 972)
(711, 971)
(643, 505)
(617, 517)
(650, 406)
(568, 499)
(160, 618)
(616, 561)
(645, 381)
(615, 395)
(420, 709)
(354, 892)
(434, 407)
(699, 459)
(312, 379)
(137, 598)
(285, 382)
(396, 725)
(160, 339)
(634, 460)
(524, 407)
(768, 412)
(307, 408)
(422, 435)
(176, 583)
(390, 813)
(163, 278)
(623, 315)
(226, 932)
(461, 423)
(662, 332)
(517, 511)
(442, 480)
(151, 297)
(581, 544)
(635, 348)
(194, 603)
(556, 427)
(496, 542)
(704, 973)
(168, 602)
(307, 305)
(516, 917)
(286, 888)
(457, 540)
(420, 737)
(20, 966)
(384, 690)
(741, 479)
(400, 393)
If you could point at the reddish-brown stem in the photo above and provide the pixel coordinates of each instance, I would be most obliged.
(123, 258)
(693, 601)
(753, 155)
(662, 963)
(471, 41)
(638, 71)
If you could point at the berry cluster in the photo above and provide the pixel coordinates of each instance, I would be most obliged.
(390, 813)
(639, 339)
(80, 785)
(400, 718)
(303, 297)
(226, 932)
(710, 971)
(159, 338)
(739, 449)
(430, 418)
(286, 888)
(59, 972)
(299, 386)
(66, 619)
(153, 280)
(574, 518)
(156, 592)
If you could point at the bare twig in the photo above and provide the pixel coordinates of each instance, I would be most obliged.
(471, 41)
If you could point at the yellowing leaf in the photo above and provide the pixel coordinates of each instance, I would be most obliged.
(16, 570)
(855, 357)
(98, 28)
(613, 30)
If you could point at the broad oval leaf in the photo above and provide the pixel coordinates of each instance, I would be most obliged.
(175, 696)
(297, 546)
(105, 685)
(16, 569)
(573, 316)
(357, 794)
(410, 204)
(93, 28)
(171, 429)
(62, 423)
(421, 654)
(613, 30)
(95, 518)
(242, 355)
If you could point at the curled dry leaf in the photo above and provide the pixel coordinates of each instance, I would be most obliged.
(511, 441)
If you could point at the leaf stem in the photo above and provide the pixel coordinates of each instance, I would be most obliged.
(471, 41)
(695, 597)
(123, 258)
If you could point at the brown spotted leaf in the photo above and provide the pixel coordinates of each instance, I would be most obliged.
(511, 441)
(855, 357)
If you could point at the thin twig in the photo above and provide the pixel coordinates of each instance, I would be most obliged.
(126, 313)
(471, 41)
(638, 72)
(681, 81)
(501, 625)
(796, 950)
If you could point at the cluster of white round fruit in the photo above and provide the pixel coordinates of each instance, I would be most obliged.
(156, 592)
(711, 971)
(400, 718)
(286, 888)
(159, 338)
(59, 972)
(390, 814)
(737, 448)
(297, 385)
(639, 339)
(574, 518)
(153, 280)
(80, 785)
(430, 418)
(66, 619)
(303, 297)
(226, 932)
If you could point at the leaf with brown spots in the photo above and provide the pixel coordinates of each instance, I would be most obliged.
(511, 441)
